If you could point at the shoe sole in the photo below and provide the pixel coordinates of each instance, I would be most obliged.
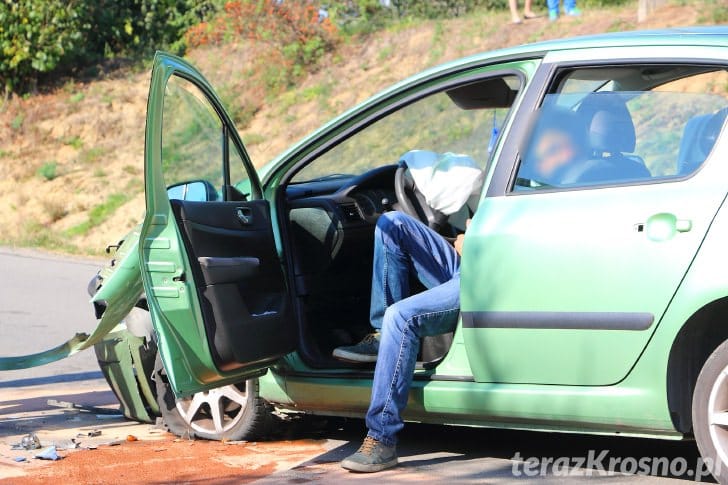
(364, 468)
(352, 357)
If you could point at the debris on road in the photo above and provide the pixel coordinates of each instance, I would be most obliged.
(109, 416)
(49, 453)
(90, 434)
(66, 444)
(28, 442)
(19, 459)
(131, 437)
(83, 407)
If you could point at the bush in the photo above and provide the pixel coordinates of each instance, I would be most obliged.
(38, 37)
(293, 35)
(129, 26)
(35, 37)
(48, 171)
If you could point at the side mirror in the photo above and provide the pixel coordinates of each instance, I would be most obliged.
(194, 190)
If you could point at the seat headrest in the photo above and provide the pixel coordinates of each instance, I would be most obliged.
(610, 125)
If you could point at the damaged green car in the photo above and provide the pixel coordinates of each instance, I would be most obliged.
(593, 305)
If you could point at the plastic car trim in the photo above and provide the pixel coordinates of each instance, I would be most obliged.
(559, 320)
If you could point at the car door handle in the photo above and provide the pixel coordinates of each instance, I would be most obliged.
(245, 215)
(663, 226)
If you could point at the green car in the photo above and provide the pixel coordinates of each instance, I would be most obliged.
(597, 303)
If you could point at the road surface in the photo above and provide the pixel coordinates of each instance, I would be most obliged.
(43, 302)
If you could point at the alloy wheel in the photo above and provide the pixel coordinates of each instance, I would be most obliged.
(215, 411)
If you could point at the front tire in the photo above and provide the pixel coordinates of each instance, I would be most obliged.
(232, 413)
(710, 412)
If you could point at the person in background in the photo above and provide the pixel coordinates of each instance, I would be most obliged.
(527, 13)
(569, 9)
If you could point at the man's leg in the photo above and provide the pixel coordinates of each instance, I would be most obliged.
(403, 246)
(431, 312)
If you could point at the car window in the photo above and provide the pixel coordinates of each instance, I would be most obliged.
(191, 143)
(623, 125)
(465, 120)
(239, 177)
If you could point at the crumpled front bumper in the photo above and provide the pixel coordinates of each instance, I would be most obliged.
(127, 362)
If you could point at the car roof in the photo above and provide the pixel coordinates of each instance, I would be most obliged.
(707, 36)
(685, 36)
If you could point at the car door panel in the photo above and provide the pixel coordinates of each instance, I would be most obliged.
(241, 285)
(211, 271)
(567, 286)
(574, 289)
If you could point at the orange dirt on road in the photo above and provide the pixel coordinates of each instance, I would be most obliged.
(144, 454)
(172, 461)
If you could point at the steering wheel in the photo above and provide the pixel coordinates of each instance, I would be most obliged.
(413, 203)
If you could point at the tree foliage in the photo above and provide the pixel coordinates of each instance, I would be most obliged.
(38, 37)
(35, 37)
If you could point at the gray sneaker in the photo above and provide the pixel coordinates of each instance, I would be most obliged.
(372, 456)
(365, 351)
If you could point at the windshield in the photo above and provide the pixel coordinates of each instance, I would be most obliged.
(457, 121)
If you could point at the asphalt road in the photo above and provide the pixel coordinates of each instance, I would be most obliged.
(43, 302)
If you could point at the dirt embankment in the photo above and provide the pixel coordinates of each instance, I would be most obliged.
(71, 160)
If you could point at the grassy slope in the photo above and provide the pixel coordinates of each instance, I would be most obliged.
(72, 159)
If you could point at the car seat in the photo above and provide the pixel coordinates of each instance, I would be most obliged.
(612, 139)
(699, 136)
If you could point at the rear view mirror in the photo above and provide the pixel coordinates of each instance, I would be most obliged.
(195, 190)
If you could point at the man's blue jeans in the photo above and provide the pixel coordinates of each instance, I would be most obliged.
(404, 247)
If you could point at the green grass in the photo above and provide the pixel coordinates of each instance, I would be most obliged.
(48, 171)
(438, 47)
(253, 139)
(99, 214)
(36, 235)
(74, 141)
(620, 25)
(17, 122)
(384, 53)
(91, 155)
(718, 12)
(76, 98)
(316, 92)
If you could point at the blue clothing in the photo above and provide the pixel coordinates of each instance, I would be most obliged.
(404, 247)
(553, 5)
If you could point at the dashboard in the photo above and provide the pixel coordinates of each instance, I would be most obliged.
(352, 200)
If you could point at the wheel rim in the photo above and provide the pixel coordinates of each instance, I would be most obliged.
(214, 412)
(718, 416)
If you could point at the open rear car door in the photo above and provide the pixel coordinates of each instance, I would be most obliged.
(211, 270)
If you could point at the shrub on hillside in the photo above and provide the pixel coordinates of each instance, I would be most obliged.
(128, 26)
(35, 37)
(293, 35)
(38, 37)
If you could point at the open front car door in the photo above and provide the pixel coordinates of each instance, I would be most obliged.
(211, 270)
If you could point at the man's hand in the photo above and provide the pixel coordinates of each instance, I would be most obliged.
(459, 240)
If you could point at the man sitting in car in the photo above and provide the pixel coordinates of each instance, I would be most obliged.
(405, 247)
